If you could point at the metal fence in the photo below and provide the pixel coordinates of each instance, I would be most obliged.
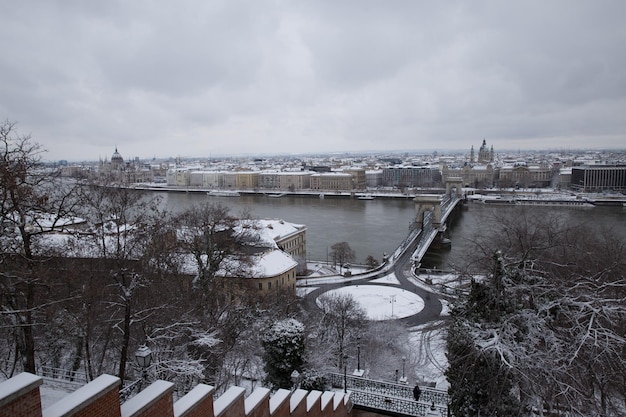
(391, 397)
(130, 390)
(79, 377)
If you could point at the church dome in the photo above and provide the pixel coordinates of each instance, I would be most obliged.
(116, 158)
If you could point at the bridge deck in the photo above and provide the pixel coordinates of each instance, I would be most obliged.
(429, 231)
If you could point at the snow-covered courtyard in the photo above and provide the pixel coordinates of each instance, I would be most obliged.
(389, 302)
(384, 303)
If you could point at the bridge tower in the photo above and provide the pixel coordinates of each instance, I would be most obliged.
(425, 203)
(456, 184)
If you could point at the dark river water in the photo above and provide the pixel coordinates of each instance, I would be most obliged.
(373, 227)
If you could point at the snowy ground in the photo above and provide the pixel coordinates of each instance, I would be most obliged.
(384, 303)
(428, 342)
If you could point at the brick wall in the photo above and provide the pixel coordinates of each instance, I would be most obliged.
(27, 405)
(20, 396)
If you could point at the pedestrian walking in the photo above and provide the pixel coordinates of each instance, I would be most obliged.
(417, 392)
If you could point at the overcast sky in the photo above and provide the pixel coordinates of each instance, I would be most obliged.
(211, 77)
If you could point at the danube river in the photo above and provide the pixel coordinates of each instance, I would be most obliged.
(374, 227)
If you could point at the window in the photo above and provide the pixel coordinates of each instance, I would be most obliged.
(260, 286)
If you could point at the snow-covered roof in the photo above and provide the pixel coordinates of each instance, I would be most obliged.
(331, 174)
(268, 263)
(45, 221)
(293, 173)
(274, 230)
(272, 263)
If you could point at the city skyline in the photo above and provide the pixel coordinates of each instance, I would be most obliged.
(200, 79)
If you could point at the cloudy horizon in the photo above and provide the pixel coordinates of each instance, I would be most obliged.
(193, 78)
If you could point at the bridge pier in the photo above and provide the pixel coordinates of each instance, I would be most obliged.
(441, 241)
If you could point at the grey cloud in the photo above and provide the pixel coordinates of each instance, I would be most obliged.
(267, 76)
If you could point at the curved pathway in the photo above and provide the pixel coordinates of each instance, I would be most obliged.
(400, 267)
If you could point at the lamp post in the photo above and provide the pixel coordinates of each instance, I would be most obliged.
(295, 379)
(143, 356)
(358, 353)
(345, 373)
(403, 362)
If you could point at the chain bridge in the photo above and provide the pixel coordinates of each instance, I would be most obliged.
(390, 398)
(432, 213)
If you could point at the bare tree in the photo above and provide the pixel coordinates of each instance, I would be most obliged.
(123, 225)
(220, 245)
(34, 202)
(342, 320)
(371, 262)
(342, 253)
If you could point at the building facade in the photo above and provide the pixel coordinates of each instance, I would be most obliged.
(332, 181)
(524, 176)
(598, 178)
(477, 176)
(358, 178)
(412, 176)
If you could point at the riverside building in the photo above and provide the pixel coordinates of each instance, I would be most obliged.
(598, 178)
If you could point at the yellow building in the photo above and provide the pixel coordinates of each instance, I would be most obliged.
(336, 181)
(294, 180)
(282, 252)
(289, 237)
(246, 180)
(358, 177)
(272, 271)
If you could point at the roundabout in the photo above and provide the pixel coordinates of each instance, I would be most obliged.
(383, 302)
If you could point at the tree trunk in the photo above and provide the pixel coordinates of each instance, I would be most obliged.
(26, 320)
(78, 358)
(125, 340)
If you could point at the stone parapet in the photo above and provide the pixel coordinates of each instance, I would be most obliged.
(20, 396)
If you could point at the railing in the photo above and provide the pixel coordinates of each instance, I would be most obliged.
(130, 390)
(390, 404)
(447, 204)
(389, 396)
(79, 377)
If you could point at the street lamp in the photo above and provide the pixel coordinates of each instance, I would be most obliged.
(295, 379)
(403, 362)
(358, 353)
(345, 374)
(392, 300)
(143, 356)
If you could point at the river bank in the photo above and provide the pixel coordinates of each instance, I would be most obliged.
(489, 196)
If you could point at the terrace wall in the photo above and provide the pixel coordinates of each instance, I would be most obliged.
(20, 396)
